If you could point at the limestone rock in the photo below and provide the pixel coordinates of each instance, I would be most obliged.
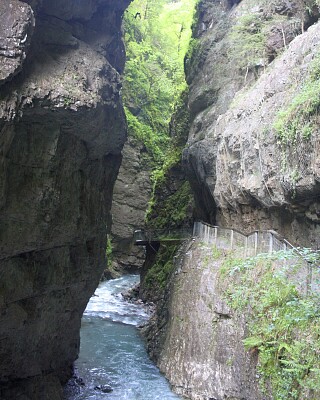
(242, 177)
(16, 29)
(62, 128)
(131, 195)
(196, 339)
(254, 165)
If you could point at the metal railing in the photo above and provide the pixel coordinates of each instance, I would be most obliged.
(252, 244)
(141, 236)
(307, 275)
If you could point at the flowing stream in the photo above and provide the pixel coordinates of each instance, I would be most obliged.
(112, 351)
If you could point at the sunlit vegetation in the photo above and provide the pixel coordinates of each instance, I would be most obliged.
(172, 210)
(300, 118)
(157, 34)
(283, 327)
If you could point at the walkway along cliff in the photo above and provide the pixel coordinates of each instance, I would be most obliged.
(62, 128)
(237, 317)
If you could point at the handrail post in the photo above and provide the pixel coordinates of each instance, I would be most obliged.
(194, 229)
(246, 247)
(231, 239)
(309, 278)
(215, 235)
(255, 243)
(270, 243)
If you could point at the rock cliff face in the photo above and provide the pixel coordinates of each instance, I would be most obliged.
(198, 340)
(252, 159)
(243, 173)
(62, 128)
(131, 195)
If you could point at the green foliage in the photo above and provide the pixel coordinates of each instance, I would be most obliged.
(157, 33)
(155, 144)
(168, 207)
(173, 210)
(158, 275)
(216, 253)
(248, 41)
(300, 117)
(284, 327)
(109, 252)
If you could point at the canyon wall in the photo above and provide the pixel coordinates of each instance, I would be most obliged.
(252, 159)
(222, 327)
(131, 196)
(62, 130)
(196, 338)
(250, 62)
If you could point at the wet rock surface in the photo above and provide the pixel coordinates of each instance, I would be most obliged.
(62, 128)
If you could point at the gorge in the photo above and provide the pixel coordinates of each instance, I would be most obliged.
(241, 151)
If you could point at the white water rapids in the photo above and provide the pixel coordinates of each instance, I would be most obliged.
(112, 351)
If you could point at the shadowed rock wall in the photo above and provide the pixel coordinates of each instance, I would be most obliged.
(62, 128)
(132, 192)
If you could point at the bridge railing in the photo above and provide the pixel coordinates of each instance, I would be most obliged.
(160, 235)
(307, 275)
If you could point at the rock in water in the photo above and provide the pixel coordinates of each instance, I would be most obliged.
(104, 388)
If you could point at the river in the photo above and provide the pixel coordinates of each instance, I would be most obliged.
(112, 351)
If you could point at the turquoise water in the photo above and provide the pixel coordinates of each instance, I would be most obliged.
(112, 351)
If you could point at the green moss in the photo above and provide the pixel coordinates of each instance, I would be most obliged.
(248, 41)
(158, 275)
(300, 117)
(173, 211)
(155, 144)
(109, 252)
(168, 207)
(284, 325)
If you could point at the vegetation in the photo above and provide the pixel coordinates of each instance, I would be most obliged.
(109, 252)
(157, 34)
(284, 325)
(249, 41)
(249, 36)
(158, 275)
(173, 211)
(170, 205)
(300, 118)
